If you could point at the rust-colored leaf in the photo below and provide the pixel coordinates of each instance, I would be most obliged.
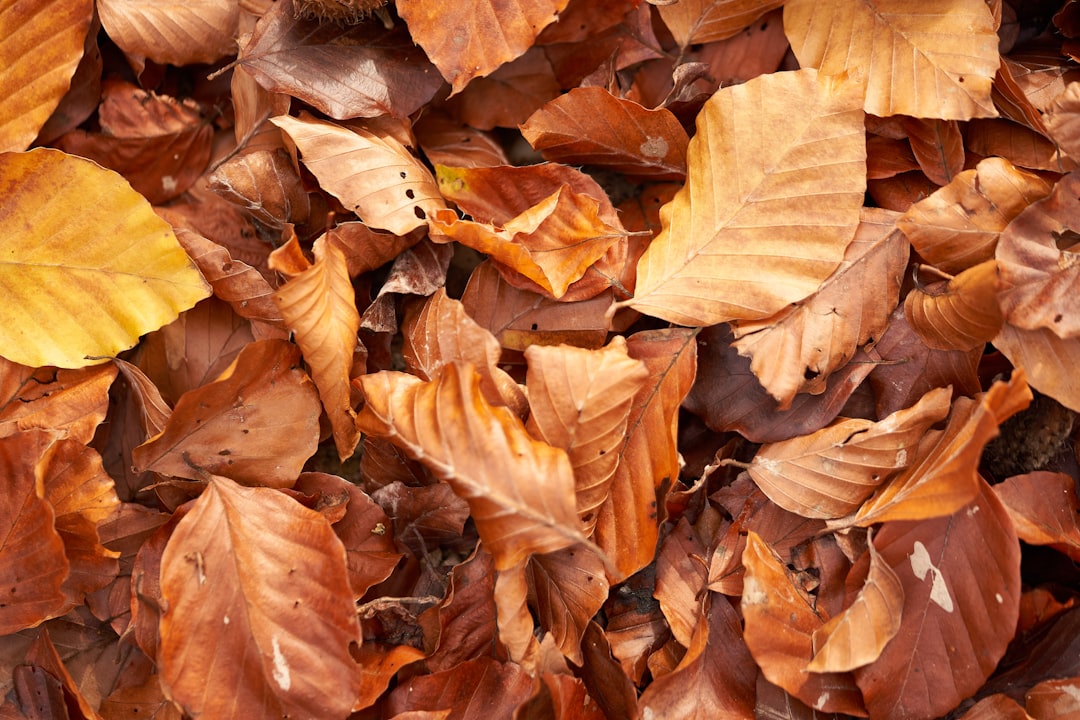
(479, 689)
(1047, 358)
(908, 61)
(1044, 509)
(200, 31)
(257, 424)
(703, 21)
(742, 240)
(319, 307)
(938, 146)
(569, 586)
(266, 184)
(961, 315)
(65, 402)
(520, 491)
(258, 610)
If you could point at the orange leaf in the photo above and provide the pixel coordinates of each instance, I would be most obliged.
(856, 636)
(43, 44)
(569, 586)
(1048, 359)
(258, 610)
(627, 522)
(371, 172)
(932, 61)
(798, 349)
(200, 31)
(829, 473)
(32, 559)
(1044, 509)
(65, 402)
(319, 307)
(938, 147)
(743, 239)
(944, 476)
(520, 490)
(580, 401)
(961, 580)
(471, 39)
(258, 423)
(590, 126)
(963, 315)
(479, 689)
(703, 21)
(552, 243)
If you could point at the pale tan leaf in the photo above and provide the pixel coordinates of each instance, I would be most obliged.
(703, 21)
(520, 490)
(1048, 360)
(776, 176)
(912, 58)
(258, 612)
(319, 307)
(580, 401)
(194, 31)
(797, 349)
(958, 226)
(43, 44)
(856, 636)
(829, 473)
(1062, 119)
(371, 172)
(962, 315)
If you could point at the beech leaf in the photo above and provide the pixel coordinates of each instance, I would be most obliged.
(962, 315)
(97, 269)
(743, 238)
(199, 31)
(258, 609)
(703, 21)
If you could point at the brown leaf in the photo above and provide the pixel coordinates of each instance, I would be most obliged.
(716, 676)
(703, 21)
(371, 172)
(259, 613)
(797, 349)
(681, 576)
(466, 617)
(1048, 358)
(627, 522)
(1043, 508)
(477, 37)
(856, 636)
(378, 665)
(43, 44)
(32, 558)
(446, 142)
(829, 473)
(908, 61)
(420, 270)
(66, 402)
(258, 423)
(365, 249)
(938, 146)
(266, 184)
(440, 333)
(580, 401)
(479, 689)
(1061, 119)
(961, 579)
(1024, 147)
(569, 587)
(344, 70)
(520, 490)
(737, 238)
(590, 126)
(509, 95)
(201, 31)
(319, 307)
(961, 315)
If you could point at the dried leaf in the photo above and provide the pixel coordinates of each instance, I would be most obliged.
(520, 490)
(68, 403)
(703, 21)
(938, 146)
(43, 44)
(259, 613)
(1061, 118)
(829, 473)
(257, 424)
(371, 172)
(569, 587)
(742, 239)
(908, 60)
(200, 31)
(319, 307)
(1048, 358)
(962, 315)
(98, 269)
(266, 184)
(479, 689)
(1043, 508)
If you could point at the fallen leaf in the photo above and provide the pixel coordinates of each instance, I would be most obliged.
(938, 146)
(703, 21)
(569, 586)
(962, 315)
(68, 403)
(201, 31)
(475, 690)
(1043, 508)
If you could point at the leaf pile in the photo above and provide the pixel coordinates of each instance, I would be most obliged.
(545, 359)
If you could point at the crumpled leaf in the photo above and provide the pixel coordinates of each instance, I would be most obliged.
(344, 70)
(258, 610)
(580, 401)
(520, 490)
(590, 126)
(961, 315)
(43, 44)
(97, 270)
(909, 62)
(468, 40)
(266, 184)
(199, 31)
(319, 307)
(743, 239)
(69, 403)
(371, 172)
(258, 423)
(828, 474)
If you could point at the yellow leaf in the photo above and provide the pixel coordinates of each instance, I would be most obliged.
(86, 267)
(929, 60)
(775, 181)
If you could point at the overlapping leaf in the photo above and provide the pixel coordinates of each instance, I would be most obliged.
(319, 307)
(68, 403)
(520, 491)
(259, 613)
(97, 269)
(908, 61)
(200, 31)
(962, 315)
(771, 202)
(702, 21)
(1044, 508)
